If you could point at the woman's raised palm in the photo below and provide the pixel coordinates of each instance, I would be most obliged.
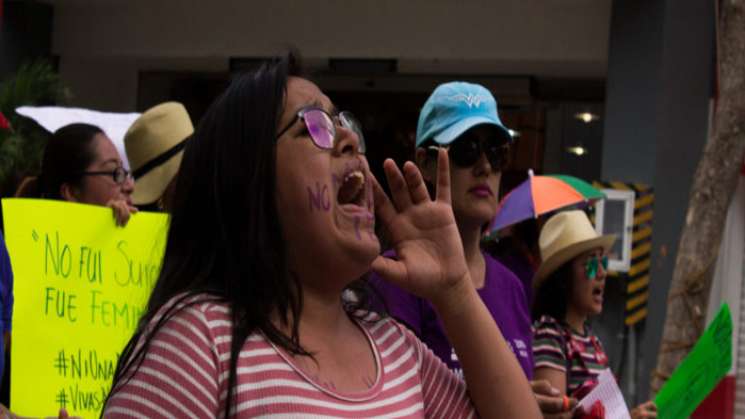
(430, 257)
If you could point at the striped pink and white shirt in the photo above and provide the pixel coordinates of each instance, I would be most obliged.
(185, 374)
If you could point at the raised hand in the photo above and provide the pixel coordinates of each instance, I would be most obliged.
(431, 264)
(423, 231)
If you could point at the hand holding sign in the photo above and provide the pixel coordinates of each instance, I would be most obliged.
(122, 211)
(81, 285)
(7, 414)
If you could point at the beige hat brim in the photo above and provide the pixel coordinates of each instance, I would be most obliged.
(150, 187)
(568, 253)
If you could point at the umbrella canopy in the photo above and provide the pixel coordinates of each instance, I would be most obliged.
(588, 191)
(542, 194)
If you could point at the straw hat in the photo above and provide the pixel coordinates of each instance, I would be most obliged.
(154, 145)
(565, 236)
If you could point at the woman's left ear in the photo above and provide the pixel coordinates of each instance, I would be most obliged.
(68, 192)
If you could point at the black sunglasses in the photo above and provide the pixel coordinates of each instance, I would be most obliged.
(119, 175)
(466, 151)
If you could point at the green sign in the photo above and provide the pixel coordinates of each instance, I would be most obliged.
(700, 371)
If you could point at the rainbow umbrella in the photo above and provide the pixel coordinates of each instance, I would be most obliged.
(540, 195)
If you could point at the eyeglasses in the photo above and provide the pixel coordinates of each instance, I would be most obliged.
(591, 267)
(465, 152)
(322, 126)
(119, 174)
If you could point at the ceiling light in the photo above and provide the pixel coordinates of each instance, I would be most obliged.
(578, 150)
(586, 117)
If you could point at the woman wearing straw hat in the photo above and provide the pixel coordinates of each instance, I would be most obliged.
(569, 287)
(154, 145)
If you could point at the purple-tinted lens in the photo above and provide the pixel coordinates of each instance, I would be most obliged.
(321, 128)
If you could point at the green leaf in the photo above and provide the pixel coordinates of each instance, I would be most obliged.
(34, 84)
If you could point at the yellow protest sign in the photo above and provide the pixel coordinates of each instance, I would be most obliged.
(80, 286)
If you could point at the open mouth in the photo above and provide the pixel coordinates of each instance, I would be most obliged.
(597, 292)
(352, 189)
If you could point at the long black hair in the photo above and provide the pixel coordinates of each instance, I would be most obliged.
(552, 296)
(67, 154)
(225, 240)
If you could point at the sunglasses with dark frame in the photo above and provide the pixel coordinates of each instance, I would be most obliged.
(466, 151)
(119, 175)
(322, 126)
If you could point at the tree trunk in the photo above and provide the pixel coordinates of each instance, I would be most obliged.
(713, 185)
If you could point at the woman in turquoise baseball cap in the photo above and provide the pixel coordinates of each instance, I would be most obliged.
(463, 118)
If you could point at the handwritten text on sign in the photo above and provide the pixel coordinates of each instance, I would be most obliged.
(81, 285)
(700, 371)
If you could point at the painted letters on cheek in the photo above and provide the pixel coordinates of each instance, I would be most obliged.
(319, 198)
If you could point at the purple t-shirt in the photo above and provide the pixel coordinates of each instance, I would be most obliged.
(503, 296)
(522, 270)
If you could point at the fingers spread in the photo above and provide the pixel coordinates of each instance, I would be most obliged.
(443, 176)
(415, 182)
(383, 206)
(399, 190)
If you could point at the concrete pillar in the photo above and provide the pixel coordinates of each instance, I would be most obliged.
(657, 106)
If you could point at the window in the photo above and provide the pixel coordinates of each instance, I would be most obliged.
(615, 215)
